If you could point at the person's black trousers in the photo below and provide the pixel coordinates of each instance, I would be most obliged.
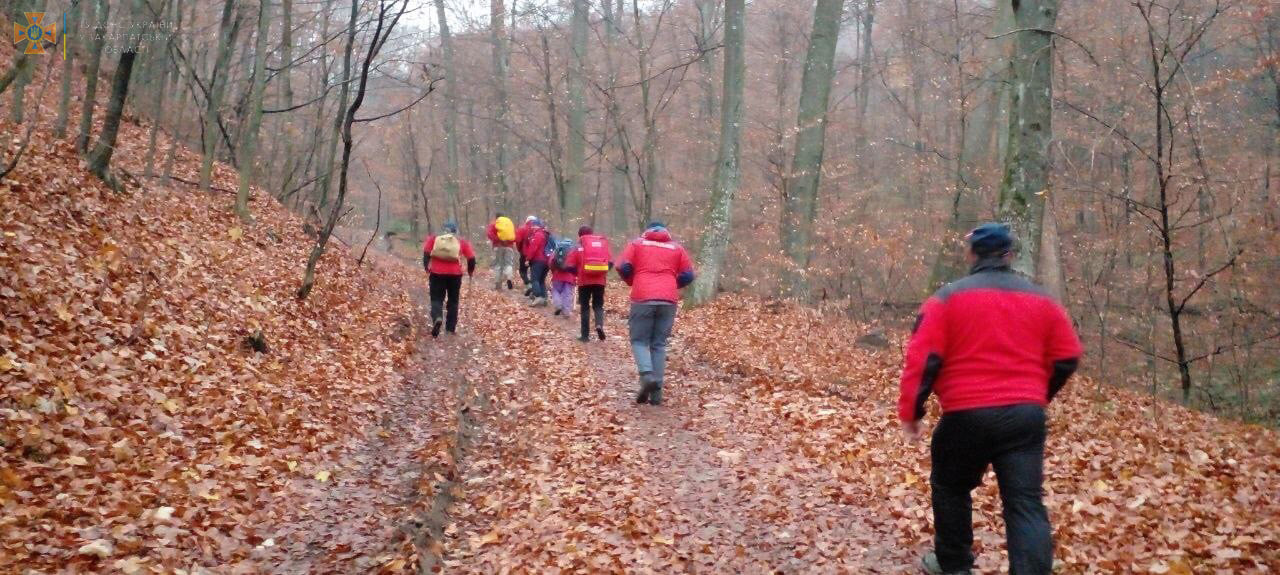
(1010, 439)
(444, 287)
(524, 270)
(591, 298)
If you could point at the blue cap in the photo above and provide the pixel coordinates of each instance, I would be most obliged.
(451, 227)
(655, 225)
(990, 239)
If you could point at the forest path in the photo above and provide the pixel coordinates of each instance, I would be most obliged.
(364, 516)
(570, 473)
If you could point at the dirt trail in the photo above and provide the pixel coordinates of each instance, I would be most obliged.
(695, 485)
(376, 501)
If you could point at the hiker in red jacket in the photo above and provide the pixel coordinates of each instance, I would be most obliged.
(535, 244)
(656, 268)
(502, 237)
(442, 257)
(995, 349)
(522, 234)
(591, 261)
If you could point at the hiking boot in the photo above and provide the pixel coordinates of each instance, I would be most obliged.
(599, 333)
(558, 312)
(931, 566)
(510, 285)
(528, 292)
(645, 388)
(541, 302)
(655, 395)
(435, 327)
(584, 339)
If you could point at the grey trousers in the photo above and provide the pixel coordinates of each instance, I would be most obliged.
(650, 326)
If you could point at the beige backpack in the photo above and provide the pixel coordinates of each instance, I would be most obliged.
(447, 247)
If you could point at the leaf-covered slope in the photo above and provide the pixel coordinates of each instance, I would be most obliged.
(1133, 484)
(136, 427)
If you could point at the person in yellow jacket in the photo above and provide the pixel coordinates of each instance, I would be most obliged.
(502, 236)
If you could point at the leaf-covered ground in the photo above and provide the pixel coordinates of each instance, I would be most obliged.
(139, 434)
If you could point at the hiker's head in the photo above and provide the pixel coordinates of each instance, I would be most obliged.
(535, 222)
(585, 231)
(655, 225)
(990, 240)
(532, 218)
(450, 227)
(499, 215)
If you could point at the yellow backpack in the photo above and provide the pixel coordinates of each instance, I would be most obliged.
(506, 229)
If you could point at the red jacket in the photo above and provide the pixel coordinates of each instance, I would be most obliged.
(655, 267)
(522, 233)
(535, 243)
(448, 267)
(575, 261)
(564, 274)
(988, 340)
(492, 233)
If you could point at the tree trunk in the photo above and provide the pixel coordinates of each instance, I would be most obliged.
(450, 116)
(249, 143)
(172, 11)
(715, 233)
(706, 64)
(64, 101)
(553, 124)
(571, 204)
(649, 183)
(1026, 157)
(806, 167)
(286, 93)
(498, 34)
(25, 67)
(864, 85)
(102, 10)
(615, 148)
(228, 29)
(100, 158)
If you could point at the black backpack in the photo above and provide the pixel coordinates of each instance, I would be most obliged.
(561, 252)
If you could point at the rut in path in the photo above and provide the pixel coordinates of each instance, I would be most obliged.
(570, 473)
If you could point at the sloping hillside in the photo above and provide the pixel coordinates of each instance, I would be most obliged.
(136, 418)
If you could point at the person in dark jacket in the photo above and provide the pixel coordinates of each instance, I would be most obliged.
(442, 257)
(995, 348)
(522, 234)
(655, 267)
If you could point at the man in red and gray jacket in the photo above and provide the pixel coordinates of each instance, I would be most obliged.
(656, 268)
(995, 348)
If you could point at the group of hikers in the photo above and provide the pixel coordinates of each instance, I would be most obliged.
(993, 347)
(654, 265)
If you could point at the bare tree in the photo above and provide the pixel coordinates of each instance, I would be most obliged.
(228, 29)
(249, 136)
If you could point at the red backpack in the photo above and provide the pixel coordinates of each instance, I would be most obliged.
(595, 254)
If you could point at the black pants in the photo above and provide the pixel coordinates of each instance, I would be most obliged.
(1010, 439)
(524, 270)
(442, 287)
(591, 297)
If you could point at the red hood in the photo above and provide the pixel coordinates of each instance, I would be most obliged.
(658, 235)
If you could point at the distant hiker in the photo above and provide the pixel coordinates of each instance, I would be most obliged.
(502, 236)
(656, 268)
(522, 234)
(591, 262)
(536, 243)
(442, 257)
(995, 348)
(563, 277)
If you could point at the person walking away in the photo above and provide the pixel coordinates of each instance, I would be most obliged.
(591, 262)
(502, 237)
(442, 257)
(563, 279)
(655, 267)
(522, 235)
(535, 251)
(995, 348)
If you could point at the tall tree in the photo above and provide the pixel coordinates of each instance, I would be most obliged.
(102, 11)
(864, 82)
(715, 232)
(498, 35)
(571, 203)
(64, 101)
(100, 158)
(1026, 155)
(615, 148)
(172, 12)
(801, 204)
(228, 29)
(381, 31)
(249, 134)
(450, 115)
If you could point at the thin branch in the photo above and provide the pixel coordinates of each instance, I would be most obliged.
(1205, 278)
(430, 88)
(1051, 33)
